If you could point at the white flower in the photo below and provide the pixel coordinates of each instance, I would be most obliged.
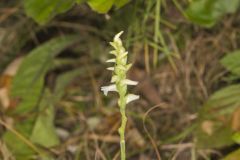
(114, 45)
(130, 82)
(109, 88)
(111, 60)
(114, 52)
(129, 66)
(110, 68)
(124, 55)
(117, 38)
(132, 97)
(118, 81)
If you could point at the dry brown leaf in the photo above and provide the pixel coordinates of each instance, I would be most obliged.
(207, 127)
(235, 123)
(12, 68)
(4, 98)
(5, 82)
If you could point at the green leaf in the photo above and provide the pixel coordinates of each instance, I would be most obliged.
(80, 1)
(28, 83)
(232, 62)
(208, 12)
(101, 6)
(44, 132)
(63, 80)
(121, 3)
(212, 131)
(236, 137)
(27, 86)
(44, 10)
(220, 136)
(233, 156)
(16, 145)
(222, 102)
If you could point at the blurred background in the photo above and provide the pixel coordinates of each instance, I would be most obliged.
(185, 56)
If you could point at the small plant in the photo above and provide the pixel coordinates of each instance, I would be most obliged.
(119, 84)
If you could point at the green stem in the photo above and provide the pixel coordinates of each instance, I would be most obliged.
(121, 130)
(181, 10)
(156, 30)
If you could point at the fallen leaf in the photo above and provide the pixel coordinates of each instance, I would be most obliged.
(5, 81)
(207, 127)
(236, 120)
(4, 98)
(12, 68)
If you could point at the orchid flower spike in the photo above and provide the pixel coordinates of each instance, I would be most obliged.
(119, 84)
(119, 69)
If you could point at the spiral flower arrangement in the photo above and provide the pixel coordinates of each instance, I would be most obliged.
(119, 84)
